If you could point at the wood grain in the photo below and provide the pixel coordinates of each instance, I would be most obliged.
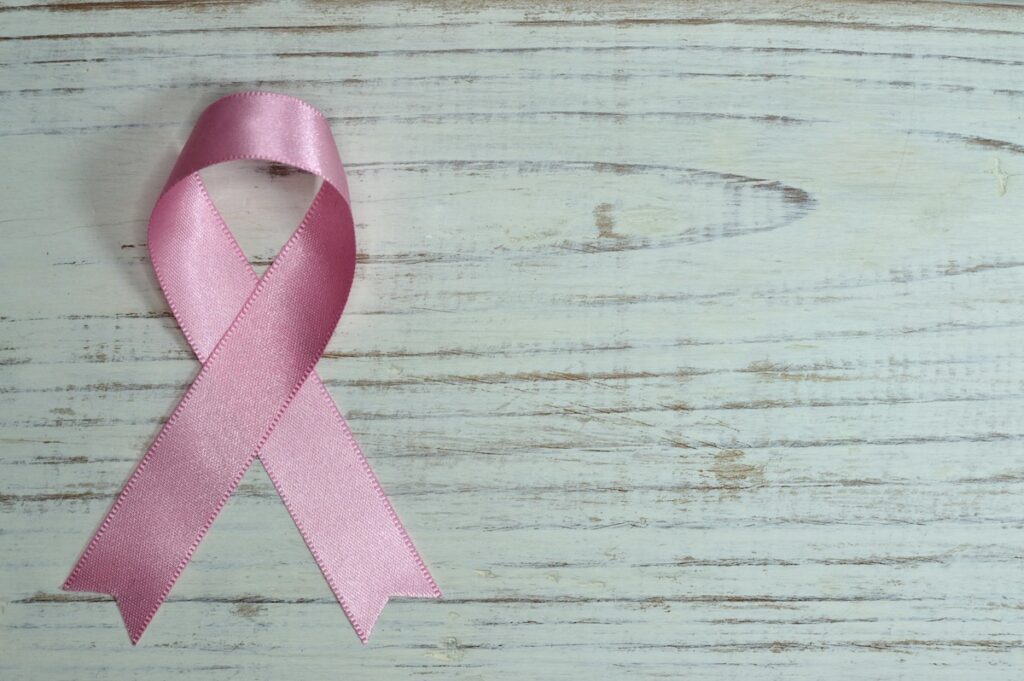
(687, 337)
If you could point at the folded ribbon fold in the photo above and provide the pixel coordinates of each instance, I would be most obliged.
(258, 339)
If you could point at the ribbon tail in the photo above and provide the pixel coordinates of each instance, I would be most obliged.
(363, 603)
(342, 513)
(138, 598)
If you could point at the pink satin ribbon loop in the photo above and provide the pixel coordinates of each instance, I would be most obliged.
(256, 393)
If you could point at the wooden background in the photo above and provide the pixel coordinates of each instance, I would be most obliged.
(687, 337)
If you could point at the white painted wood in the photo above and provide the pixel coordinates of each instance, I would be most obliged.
(686, 336)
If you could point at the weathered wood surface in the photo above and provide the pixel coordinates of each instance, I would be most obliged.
(687, 337)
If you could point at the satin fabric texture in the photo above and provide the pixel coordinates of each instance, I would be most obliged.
(256, 394)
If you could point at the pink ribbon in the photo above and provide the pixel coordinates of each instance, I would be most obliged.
(258, 339)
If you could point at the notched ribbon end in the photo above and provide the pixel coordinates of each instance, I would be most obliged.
(364, 612)
(136, 610)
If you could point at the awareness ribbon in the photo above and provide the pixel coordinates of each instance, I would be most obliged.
(258, 339)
